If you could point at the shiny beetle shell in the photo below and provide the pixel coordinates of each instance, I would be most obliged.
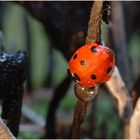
(92, 64)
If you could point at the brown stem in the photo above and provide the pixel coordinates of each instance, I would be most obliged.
(79, 113)
(94, 33)
(94, 27)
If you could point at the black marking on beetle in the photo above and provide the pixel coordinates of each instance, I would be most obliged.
(93, 49)
(75, 56)
(76, 77)
(93, 76)
(82, 62)
(100, 42)
(69, 73)
(109, 70)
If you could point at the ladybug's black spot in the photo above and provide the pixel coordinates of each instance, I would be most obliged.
(82, 62)
(93, 49)
(109, 70)
(76, 77)
(75, 56)
(100, 42)
(93, 76)
(69, 73)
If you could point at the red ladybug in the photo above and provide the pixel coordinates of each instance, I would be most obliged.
(92, 64)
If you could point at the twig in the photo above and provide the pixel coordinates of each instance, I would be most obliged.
(33, 116)
(94, 29)
(58, 95)
(79, 113)
(135, 92)
(94, 33)
(4, 131)
(28, 41)
(119, 88)
(120, 92)
(134, 129)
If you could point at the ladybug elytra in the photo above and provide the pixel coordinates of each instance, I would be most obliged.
(92, 64)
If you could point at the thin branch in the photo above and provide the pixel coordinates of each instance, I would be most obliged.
(5, 132)
(58, 95)
(94, 29)
(27, 112)
(120, 92)
(135, 92)
(120, 89)
(28, 42)
(94, 33)
(134, 129)
(80, 110)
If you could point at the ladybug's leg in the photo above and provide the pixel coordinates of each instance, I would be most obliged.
(59, 93)
(11, 109)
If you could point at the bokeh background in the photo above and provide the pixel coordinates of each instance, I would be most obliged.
(20, 31)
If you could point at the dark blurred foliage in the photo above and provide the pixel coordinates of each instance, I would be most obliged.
(13, 73)
(131, 14)
(65, 22)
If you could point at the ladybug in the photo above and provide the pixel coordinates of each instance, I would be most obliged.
(92, 64)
